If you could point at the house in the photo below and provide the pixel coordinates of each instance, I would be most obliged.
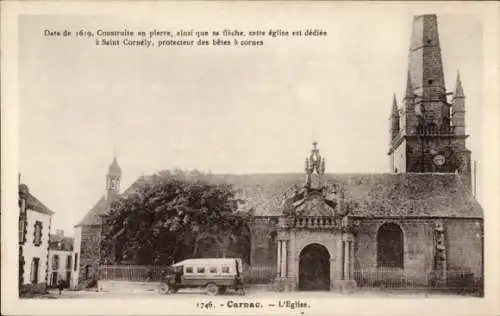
(34, 229)
(60, 259)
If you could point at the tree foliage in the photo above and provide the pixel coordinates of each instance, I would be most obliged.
(171, 216)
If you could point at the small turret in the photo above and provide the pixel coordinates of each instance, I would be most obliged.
(458, 108)
(113, 179)
(394, 119)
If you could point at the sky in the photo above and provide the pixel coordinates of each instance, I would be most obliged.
(221, 109)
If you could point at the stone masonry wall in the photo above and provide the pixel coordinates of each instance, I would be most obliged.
(264, 245)
(464, 247)
(89, 252)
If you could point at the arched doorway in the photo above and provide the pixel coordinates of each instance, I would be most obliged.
(314, 268)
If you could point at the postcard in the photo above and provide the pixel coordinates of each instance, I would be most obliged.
(253, 158)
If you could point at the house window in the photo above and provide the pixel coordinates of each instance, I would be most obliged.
(37, 240)
(68, 262)
(390, 246)
(34, 270)
(22, 231)
(55, 262)
(76, 262)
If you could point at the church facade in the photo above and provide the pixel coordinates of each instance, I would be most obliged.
(417, 226)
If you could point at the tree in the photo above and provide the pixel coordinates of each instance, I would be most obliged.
(171, 216)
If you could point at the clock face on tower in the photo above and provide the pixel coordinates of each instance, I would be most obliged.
(439, 160)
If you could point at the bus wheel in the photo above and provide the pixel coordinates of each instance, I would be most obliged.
(212, 289)
(165, 288)
(222, 289)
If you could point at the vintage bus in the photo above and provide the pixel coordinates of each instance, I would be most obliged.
(215, 275)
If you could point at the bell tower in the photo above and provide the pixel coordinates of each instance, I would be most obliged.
(431, 136)
(113, 179)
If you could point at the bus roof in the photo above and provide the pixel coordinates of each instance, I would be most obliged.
(206, 261)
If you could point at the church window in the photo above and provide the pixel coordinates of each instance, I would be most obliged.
(390, 246)
(38, 233)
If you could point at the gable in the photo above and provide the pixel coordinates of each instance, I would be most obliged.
(32, 203)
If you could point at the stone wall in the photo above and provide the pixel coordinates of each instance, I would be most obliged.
(464, 242)
(264, 245)
(89, 251)
(463, 247)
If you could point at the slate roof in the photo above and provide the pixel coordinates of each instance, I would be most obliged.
(373, 195)
(32, 203)
(93, 215)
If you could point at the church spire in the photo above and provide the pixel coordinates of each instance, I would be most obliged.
(427, 77)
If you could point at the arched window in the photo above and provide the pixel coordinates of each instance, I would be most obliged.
(390, 246)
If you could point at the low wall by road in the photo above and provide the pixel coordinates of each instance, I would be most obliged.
(126, 286)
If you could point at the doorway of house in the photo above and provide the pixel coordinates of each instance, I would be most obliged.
(314, 268)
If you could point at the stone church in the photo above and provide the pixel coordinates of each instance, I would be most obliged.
(417, 226)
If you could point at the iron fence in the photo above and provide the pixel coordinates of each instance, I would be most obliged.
(140, 273)
(130, 273)
(396, 278)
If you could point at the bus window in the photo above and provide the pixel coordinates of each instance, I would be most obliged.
(189, 269)
(200, 270)
(213, 270)
(225, 269)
